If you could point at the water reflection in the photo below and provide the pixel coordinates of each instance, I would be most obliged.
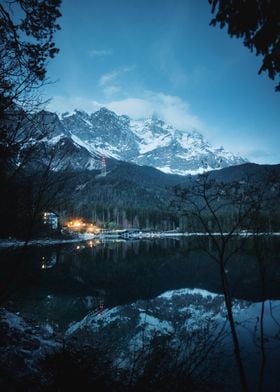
(49, 261)
(63, 283)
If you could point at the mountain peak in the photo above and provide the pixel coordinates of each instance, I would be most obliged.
(103, 111)
(149, 142)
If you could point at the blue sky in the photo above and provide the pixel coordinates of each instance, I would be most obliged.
(139, 57)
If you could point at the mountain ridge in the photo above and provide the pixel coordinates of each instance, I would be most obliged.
(149, 142)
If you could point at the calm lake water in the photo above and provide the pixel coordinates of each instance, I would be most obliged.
(60, 284)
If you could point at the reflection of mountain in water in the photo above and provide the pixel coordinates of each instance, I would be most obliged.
(191, 323)
(87, 276)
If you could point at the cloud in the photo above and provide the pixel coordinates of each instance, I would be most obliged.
(111, 90)
(60, 104)
(114, 75)
(166, 59)
(111, 82)
(100, 52)
(171, 109)
(108, 77)
(133, 107)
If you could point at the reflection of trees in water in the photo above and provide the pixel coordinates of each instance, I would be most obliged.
(223, 210)
(121, 249)
(131, 270)
(143, 269)
(83, 277)
(127, 271)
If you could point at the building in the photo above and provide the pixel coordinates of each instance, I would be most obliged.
(50, 219)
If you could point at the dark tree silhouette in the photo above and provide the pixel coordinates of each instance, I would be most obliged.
(27, 30)
(229, 213)
(257, 22)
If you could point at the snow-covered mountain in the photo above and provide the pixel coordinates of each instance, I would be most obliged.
(173, 151)
(149, 142)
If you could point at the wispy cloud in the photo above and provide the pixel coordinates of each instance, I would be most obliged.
(111, 82)
(114, 75)
(61, 104)
(168, 63)
(111, 90)
(109, 77)
(172, 109)
(100, 52)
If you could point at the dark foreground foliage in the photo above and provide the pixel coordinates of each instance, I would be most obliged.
(89, 369)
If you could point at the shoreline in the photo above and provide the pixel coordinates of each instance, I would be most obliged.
(14, 243)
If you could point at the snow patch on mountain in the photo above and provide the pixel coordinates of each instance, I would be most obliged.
(54, 140)
(149, 142)
(80, 143)
(151, 137)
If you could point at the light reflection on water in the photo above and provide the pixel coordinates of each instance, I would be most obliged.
(62, 283)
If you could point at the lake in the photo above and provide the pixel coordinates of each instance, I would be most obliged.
(61, 283)
(118, 290)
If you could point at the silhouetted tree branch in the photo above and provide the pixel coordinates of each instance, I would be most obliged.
(221, 211)
(26, 44)
(27, 30)
(229, 213)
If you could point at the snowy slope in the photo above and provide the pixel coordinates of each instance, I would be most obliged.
(148, 142)
(82, 140)
(177, 152)
(103, 132)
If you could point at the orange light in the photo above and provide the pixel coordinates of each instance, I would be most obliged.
(79, 224)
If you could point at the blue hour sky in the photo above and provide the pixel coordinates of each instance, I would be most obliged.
(144, 57)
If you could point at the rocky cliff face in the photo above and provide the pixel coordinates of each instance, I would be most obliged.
(149, 142)
(80, 140)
